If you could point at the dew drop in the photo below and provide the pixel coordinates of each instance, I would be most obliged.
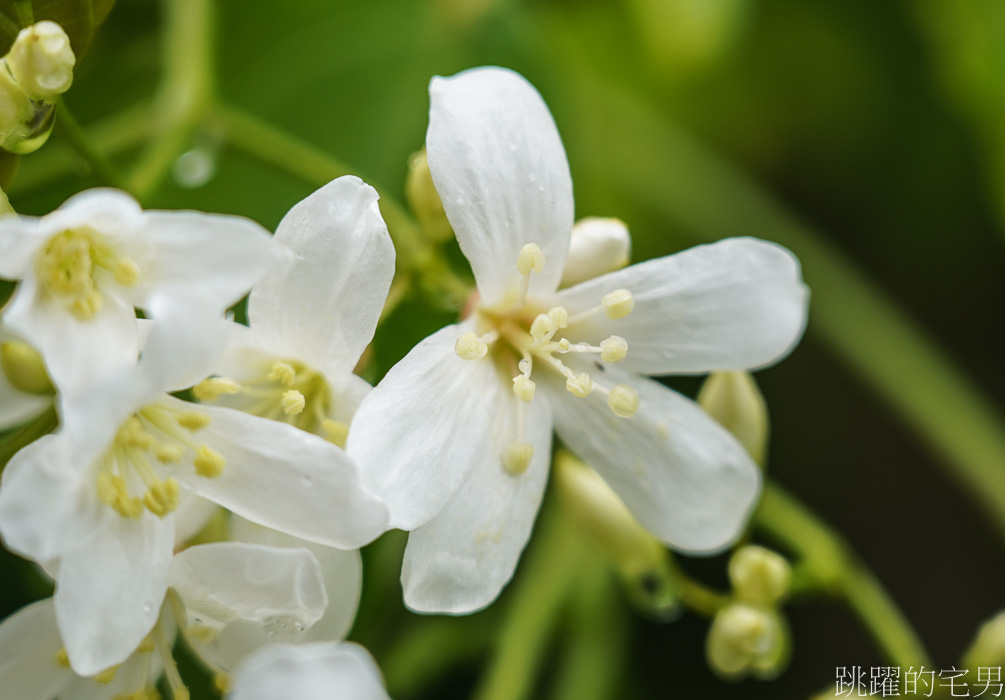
(284, 628)
(194, 168)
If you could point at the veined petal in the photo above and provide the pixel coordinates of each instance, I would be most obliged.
(278, 587)
(29, 643)
(736, 304)
(309, 672)
(211, 257)
(425, 426)
(460, 560)
(271, 465)
(109, 592)
(325, 302)
(683, 476)
(499, 166)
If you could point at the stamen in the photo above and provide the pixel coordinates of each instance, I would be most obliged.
(560, 315)
(208, 463)
(337, 432)
(470, 347)
(223, 683)
(543, 329)
(127, 272)
(213, 388)
(112, 490)
(175, 683)
(87, 307)
(530, 259)
(62, 659)
(623, 400)
(283, 372)
(579, 384)
(192, 420)
(162, 498)
(516, 457)
(524, 388)
(293, 402)
(108, 675)
(618, 303)
(613, 349)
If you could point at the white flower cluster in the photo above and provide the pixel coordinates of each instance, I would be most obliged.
(453, 445)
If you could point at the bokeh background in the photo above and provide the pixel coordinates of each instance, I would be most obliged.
(867, 136)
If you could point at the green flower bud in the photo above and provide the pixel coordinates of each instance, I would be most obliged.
(988, 649)
(16, 111)
(41, 60)
(747, 639)
(759, 575)
(24, 369)
(425, 200)
(733, 399)
(597, 246)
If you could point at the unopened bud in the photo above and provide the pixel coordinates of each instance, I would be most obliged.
(24, 368)
(759, 575)
(988, 649)
(425, 200)
(16, 111)
(597, 246)
(747, 639)
(41, 60)
(641, 560)
(733, 399)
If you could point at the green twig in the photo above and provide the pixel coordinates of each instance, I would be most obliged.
(71, 132)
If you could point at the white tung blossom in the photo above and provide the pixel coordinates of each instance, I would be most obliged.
(96, 503)
(457, 437)
(84, 267)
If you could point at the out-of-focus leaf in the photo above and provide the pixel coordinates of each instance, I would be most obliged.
(8, 167)
(78, 18)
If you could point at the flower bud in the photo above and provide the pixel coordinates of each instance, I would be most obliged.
(747, 639)
(733, 399)
(24, 369)
(597, 246)
(641, 560)
(988, 649)
(759, 575)
(5, 207)
(16, 111)
(41, 60)
(425, 200)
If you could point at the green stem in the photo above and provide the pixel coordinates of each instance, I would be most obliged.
(832, 567)
(74, 135)
(430, 649)
(43, 424)
(549, 572)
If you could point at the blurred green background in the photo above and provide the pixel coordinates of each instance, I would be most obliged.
(865, 135)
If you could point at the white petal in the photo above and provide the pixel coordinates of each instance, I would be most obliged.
(425, 426)
(191, 516)
(29, 642)
(309, 672)
(683, 476)
(109, 591)
(184, 343)
(212, 257)
(460, 560)
(17, 407)
(20, 238)
(284, 478)
(327, 301)
(499, 166)
(736, 304)
(110, 212)
(278, 587)
(137, 673)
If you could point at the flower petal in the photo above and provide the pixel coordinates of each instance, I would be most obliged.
(29, 643)
(271, 465)
(20, 238)
(460, 560)
(736, 304)
(425, 426)
(683, 476)
(310, 672)
(185, 340)
(499, 166)
(325, 303)
(17, 407)
(109, 591)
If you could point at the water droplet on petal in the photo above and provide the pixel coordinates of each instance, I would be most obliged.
(284, 628)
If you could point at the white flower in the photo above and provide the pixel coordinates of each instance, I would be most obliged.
(24, 393)
(311, 320)
(95, 503)
(84, 267)
(318, 671)
(457, 436)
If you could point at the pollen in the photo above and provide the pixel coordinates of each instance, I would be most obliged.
(213, 388)
(193, 420)
(579, 384)
(208, 463)
(337, 432)
(127, 272)
(530, 259)
(62, 659)
(524, 388)
(613, 349)
(623, 400)
(107, 676)
(470, 347)
(293, 402)
(618, 303)
(112, 490)
(283, 372)
(162, 498)
(516, 457)
(168, 453)
(543, 328)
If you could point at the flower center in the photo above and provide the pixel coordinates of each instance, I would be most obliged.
(525, 335)
(73, 265)
(150, 440)
(286, 390)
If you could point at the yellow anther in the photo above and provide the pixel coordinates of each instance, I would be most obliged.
(62, 659)
(623, 400)
(107, 676)
(613, 349)
(530, 259)
(516, 457)
(543, 328)
(470, 347)
(293, 402)
(146, 646)
(618, 303)
(223, 682)
(144, 694)
(168, 453)
(580, 384)
(87, 307)
(112, 490)
(193, 420)
(208, 463)
(181, 693)
(24, 368)
(564, 345)
(127, 272)
(524, 388)
(213, 388)
(337, 432)
(203, 633)
(283, 372)
(162, 498)
(560, 315)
